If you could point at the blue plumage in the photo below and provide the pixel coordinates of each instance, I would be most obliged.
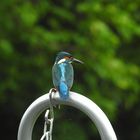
(63, 74)
(63, 90)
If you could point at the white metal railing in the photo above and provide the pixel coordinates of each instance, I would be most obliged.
(75, 100)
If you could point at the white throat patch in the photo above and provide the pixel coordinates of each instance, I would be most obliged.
(61, 61)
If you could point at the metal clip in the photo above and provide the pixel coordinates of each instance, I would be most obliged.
(49, 118)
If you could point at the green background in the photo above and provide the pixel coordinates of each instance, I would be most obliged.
(104, 34)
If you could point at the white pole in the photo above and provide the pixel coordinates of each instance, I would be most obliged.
(76, 100)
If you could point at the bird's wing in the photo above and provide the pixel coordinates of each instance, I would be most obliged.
(56, 74)
(69, 75)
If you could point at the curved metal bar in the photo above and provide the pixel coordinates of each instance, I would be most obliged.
(76, 100)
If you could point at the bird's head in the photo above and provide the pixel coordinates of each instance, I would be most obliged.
(65, 57)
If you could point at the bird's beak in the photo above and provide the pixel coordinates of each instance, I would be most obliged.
(78, 61)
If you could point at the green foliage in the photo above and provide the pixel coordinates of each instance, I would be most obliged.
(103, 34)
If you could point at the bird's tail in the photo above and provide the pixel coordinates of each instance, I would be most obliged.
(63, 90)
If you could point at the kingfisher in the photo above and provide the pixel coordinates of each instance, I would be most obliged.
(63, 74)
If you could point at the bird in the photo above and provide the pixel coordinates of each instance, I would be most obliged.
(63, 73)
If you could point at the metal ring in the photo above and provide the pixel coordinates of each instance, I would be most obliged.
(76, 100)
